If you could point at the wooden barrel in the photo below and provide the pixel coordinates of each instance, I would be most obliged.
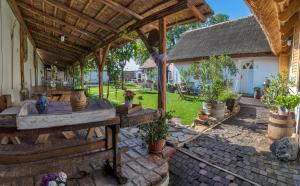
(280, 126)
(218, 110)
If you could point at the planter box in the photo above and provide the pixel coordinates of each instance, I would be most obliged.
(60, 114)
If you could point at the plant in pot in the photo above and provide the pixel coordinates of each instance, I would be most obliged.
(229, 97)
(129, 95)
(214, 75)
(286, 103)
(155, 133)
(257, 92)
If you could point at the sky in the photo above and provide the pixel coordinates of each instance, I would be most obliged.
(234, 8)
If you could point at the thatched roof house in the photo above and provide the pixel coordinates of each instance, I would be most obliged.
(238, 38)
(148, 64)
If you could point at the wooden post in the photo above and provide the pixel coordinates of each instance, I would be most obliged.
(22, 55)
(284, 60)
(100, 61)
(162, 68)
(81, 72)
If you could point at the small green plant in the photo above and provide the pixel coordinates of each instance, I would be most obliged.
(155, 131)
(279, 86)
(226, 95)
(257, 89)
(290, 101)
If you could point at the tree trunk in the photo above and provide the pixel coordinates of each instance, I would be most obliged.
(122, 79)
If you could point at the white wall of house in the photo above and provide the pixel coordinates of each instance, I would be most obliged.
(10, 76)
(263, 67)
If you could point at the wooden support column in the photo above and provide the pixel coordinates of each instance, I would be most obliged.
(100, 56)
(22, 55)
(284, 59)
(81, 72)
(162, 67)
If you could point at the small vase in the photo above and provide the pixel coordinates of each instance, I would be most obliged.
(78, 100)
(128, 103)
(42, 103)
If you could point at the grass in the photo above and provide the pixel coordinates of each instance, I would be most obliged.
(185, 109)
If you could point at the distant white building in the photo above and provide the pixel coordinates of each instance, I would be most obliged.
(242, 39)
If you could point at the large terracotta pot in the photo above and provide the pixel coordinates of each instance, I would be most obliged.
(78, 100)
(157, 147)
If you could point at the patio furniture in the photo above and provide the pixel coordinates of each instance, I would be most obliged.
(183, 93)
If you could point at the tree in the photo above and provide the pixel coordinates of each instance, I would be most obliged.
(113, 70)
(215, 19)
(122, 55)
(140, 52)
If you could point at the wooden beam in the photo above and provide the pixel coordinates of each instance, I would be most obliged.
(57, 45)
(53, 39)
(81, 64)
(162, 65)
(144, 38)
(120, 8)
(17, 13)
(290, 10)
(47, 35)
(195, 11)
(103, 57)
(56, 50)
(56, 20)
(66, 58)
(289, 24)
(284, 60)
(82, 16)
(56, 30)
(62, 50)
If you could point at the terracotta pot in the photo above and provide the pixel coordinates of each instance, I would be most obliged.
(78, 100)
(157, 147)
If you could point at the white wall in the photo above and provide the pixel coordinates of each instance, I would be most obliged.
(263, 67)
(10, 77)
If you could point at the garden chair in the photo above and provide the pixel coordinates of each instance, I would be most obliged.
(181, 92)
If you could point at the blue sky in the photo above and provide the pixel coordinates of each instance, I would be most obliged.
(234, 8)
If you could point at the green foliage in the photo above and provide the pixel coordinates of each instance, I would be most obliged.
(185, 74)
(140, 53)
(151, 74)
(289, 101)
(212, 78)
(155, 131)
(226, 95)
(257, 88)
(217, 18)
(279, 86)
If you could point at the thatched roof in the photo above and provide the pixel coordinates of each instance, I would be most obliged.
(242, 37)
(277, 19)
(148, 64)
(92, 24)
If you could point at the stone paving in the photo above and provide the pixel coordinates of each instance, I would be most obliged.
(239, 145)
(140, 167)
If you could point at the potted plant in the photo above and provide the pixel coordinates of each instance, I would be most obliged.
(286, 103)
(230, 98)
(213, 80)
(129, 95)
(155, 133)
(257, 92)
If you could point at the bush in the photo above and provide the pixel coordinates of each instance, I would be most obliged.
(226, 95)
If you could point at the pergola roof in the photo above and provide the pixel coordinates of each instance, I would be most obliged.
(91, 24)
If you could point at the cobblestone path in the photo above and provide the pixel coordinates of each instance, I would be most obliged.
(238, 145)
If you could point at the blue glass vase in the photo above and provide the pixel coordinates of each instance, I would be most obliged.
(42, 103)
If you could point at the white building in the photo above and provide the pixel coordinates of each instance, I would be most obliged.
(242, 39)
(10, 63)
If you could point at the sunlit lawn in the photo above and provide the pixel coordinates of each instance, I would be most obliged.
(184, 109)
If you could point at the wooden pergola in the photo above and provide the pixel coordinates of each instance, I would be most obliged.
(92, 27)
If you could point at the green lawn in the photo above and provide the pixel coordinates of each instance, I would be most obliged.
(184, 109)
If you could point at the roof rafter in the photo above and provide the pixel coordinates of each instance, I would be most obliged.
(56, 20)
(56, 30)
(120, 8)
(195, 11)
(55, 55)
(290, 10)
(85, 17)
(57, 50)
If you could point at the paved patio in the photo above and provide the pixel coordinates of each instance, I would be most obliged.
(138, 166)
(240, 146)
